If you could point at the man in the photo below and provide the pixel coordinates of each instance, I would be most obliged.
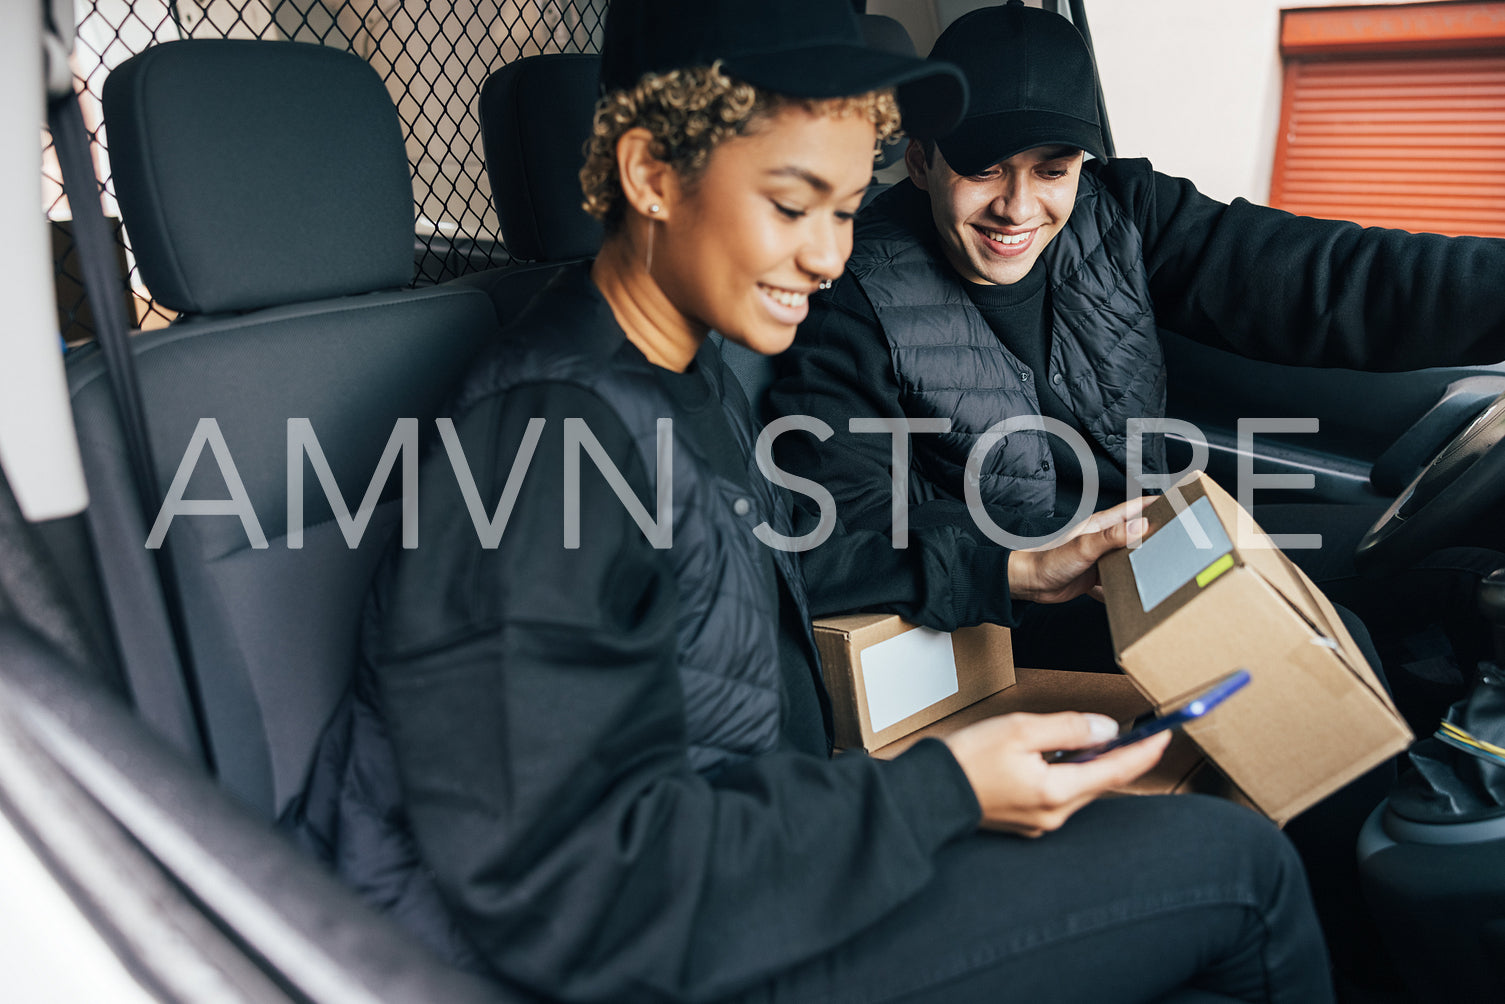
(1010, 278)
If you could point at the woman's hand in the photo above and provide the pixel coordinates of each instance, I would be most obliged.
(1068, 569)
(1019, 792)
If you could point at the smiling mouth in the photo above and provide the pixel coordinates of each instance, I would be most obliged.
(1005, 245)
(787, 297)
(1008, 240)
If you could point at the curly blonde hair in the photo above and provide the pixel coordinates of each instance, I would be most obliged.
(690, 112)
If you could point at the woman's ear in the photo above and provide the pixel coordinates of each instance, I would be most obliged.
(648, 183)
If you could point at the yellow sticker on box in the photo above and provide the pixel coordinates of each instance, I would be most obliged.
(1213, 570)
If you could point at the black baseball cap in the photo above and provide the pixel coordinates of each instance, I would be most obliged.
(1031, 81)
(798, 48)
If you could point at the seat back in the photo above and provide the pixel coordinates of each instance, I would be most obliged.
(536, 115)
(265, 189)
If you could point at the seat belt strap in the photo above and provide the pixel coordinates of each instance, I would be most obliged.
(165, 696)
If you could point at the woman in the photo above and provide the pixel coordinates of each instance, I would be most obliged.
(594, 760)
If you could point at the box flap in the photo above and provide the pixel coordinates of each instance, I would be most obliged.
(859, 626)
(1292, 585)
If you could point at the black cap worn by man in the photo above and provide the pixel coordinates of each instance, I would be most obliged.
(799, 48)
(1031, 83)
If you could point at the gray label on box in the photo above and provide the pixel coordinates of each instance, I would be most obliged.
(1178, 551)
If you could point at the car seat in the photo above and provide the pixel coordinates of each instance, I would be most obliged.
(266, 193)
(536, 115)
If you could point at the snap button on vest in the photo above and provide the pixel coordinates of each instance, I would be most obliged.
(742, 507)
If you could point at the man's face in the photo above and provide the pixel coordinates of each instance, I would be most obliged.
(994, 225)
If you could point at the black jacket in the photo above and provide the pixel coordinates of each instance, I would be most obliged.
(517, 779)
(1244, 278)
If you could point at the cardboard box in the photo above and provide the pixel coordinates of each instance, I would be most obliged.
(887, 677)
(1183, 768)
(1196, 600)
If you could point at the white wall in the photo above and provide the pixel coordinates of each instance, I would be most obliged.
(1195, 86)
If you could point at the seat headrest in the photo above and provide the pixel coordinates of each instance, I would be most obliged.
(888, 35)
(255, 173)
(536, 115)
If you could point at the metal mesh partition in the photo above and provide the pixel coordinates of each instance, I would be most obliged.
(433, 56)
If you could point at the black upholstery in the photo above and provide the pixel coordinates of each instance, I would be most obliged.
(535, 119)
(217, 226)
(536, 115)
(272, 632)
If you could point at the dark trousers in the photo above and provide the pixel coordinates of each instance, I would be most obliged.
(1154, 899)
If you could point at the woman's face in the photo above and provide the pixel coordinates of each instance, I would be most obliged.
(768, 219)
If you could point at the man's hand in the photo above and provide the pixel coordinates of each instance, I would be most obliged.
(1019, 792)
(1068, 568)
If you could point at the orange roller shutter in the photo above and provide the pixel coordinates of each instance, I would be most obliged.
(1395, 138)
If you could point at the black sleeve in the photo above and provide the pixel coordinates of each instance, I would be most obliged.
(1301, 291)
(947, 577)
(534, 703)
(838, 369)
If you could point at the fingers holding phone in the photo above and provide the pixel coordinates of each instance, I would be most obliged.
(1020, 792)
(1192, 708)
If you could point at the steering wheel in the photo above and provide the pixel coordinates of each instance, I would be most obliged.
(1464, 480)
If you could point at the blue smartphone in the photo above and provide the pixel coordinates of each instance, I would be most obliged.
(1139, 729)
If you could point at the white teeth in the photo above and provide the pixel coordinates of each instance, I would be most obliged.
(785, 297)
(1008, 239)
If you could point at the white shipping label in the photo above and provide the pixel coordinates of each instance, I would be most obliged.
(907, 673)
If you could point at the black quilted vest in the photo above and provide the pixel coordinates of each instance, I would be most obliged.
(351, 814)
(728, 633)
(1105, 358)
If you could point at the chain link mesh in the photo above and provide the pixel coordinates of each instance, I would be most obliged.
(433, 57)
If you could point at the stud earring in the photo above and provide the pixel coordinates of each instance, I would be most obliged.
(825, 284)
(653, 209)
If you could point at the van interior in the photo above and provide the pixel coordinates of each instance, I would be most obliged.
(315, 213)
